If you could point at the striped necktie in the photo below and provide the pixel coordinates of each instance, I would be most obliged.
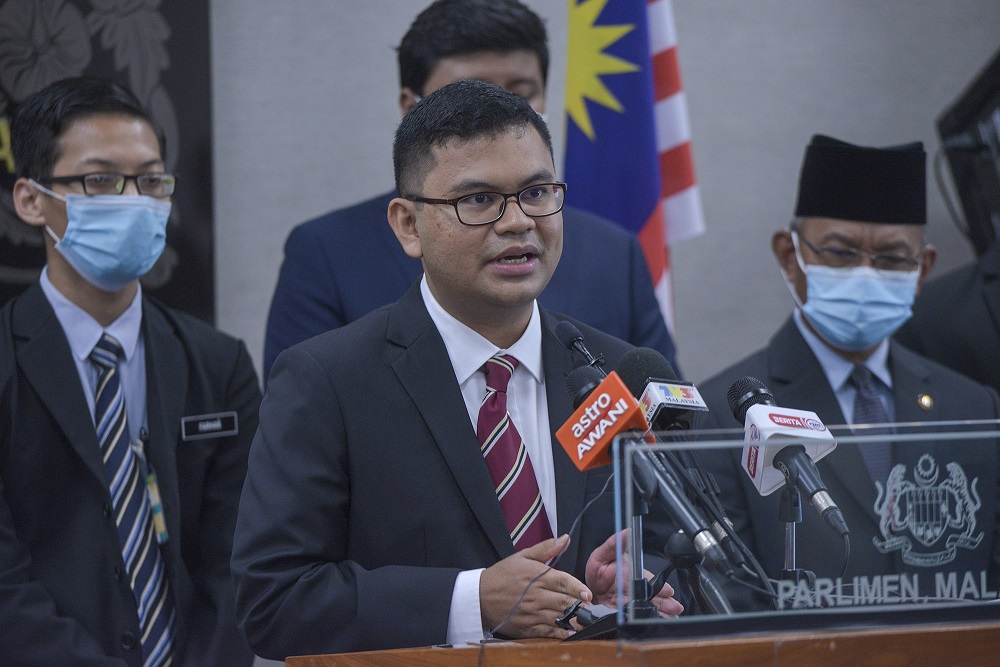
(133, 515)
(507, 460)
(869, 409)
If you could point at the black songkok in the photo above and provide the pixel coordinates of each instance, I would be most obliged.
(848, 182)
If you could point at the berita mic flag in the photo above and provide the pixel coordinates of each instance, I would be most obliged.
(628, 141)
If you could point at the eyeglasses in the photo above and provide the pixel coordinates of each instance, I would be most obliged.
(850, 257)
(152, 184)
(482, 208)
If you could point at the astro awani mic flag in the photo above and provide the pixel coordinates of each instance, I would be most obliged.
(628, 150)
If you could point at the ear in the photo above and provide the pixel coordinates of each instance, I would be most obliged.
(784, 251)
(29, 203)
(407, 99)
(927, 260)
(403, 220)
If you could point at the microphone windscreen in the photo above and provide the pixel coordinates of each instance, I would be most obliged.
(640, 364)
(581, 381)
(568, 334)
(746, 393)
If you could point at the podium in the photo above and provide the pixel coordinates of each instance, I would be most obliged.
(935, 645)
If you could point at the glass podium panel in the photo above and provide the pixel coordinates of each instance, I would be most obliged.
(803, 526)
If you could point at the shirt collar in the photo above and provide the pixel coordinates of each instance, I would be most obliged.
(469, 350)
(837, 369)
(83, 331)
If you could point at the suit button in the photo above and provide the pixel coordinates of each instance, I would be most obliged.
(129, 641)
(107, 509)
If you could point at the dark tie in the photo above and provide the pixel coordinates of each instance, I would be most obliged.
(133, 515)
(869, 409)
(507, 459)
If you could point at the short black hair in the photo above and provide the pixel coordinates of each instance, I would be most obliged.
(458, 27)
(464, 110)
(46, 114)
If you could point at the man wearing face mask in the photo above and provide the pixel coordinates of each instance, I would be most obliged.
(125, 426)
(853, 258)
(346, 263)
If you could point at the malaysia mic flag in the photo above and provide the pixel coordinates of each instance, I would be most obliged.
(628, 140)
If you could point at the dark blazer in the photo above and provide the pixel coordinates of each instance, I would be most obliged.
(956, 320)
(790, 370)
(63, 599)
(347, 263)
(367, 493)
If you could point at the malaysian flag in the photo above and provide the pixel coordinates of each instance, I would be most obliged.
(628, 141)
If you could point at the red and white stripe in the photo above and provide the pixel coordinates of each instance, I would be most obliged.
(679, 214)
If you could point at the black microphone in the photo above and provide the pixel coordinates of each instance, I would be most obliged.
(571, 338)
(754, 407)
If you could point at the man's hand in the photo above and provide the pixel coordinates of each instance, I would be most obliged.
(600, 575)
(501, 585)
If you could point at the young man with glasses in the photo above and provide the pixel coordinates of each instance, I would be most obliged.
(853, 258)
(346, 263)
(124, 425)
(388, 503)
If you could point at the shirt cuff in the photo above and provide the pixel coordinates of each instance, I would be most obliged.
(465, 622)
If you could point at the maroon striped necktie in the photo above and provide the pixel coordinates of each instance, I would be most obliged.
(507, 459)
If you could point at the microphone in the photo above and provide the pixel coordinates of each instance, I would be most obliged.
(770, 460)
(670, 404)
(571, 338)
(586, 437)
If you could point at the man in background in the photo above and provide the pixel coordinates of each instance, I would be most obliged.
(956, 320)
(347, 263)
(853, 258)
(124, 425)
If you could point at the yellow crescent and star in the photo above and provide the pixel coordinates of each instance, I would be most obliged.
(588, 62)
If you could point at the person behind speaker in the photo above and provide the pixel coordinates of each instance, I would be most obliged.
(347, 263)
(119, 477)
(370, 518)
(853, 258)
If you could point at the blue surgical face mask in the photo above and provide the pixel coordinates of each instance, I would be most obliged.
(855, 308)
(111, 240)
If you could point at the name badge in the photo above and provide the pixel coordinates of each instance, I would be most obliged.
(215, 425)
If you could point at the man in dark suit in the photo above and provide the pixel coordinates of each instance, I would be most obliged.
(347, 263)
(374, 515)
(956, 320)
(124, 426)
(854, 258)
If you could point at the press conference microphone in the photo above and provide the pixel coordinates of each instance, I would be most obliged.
(670, 404)
(569, 335)
(586, 437)
(770, 461)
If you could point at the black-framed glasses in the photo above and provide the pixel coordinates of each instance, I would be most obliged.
(153, 184)
(840, 257)
(482, 208)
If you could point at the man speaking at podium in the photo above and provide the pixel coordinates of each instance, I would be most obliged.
(370, 517)
(854, 258)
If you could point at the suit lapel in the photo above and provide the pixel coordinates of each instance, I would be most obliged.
(47, 362)
(166, 393)
(557, 362)
(425, 371)
(801, 383)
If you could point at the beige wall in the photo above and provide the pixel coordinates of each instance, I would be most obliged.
(305, 107)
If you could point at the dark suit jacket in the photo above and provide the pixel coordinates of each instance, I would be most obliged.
(790, 370)
(347, 263)
(956, 320)
(367, 493)
(62, 597)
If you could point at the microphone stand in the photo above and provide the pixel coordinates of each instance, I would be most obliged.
(790, 513)
(641, 591)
